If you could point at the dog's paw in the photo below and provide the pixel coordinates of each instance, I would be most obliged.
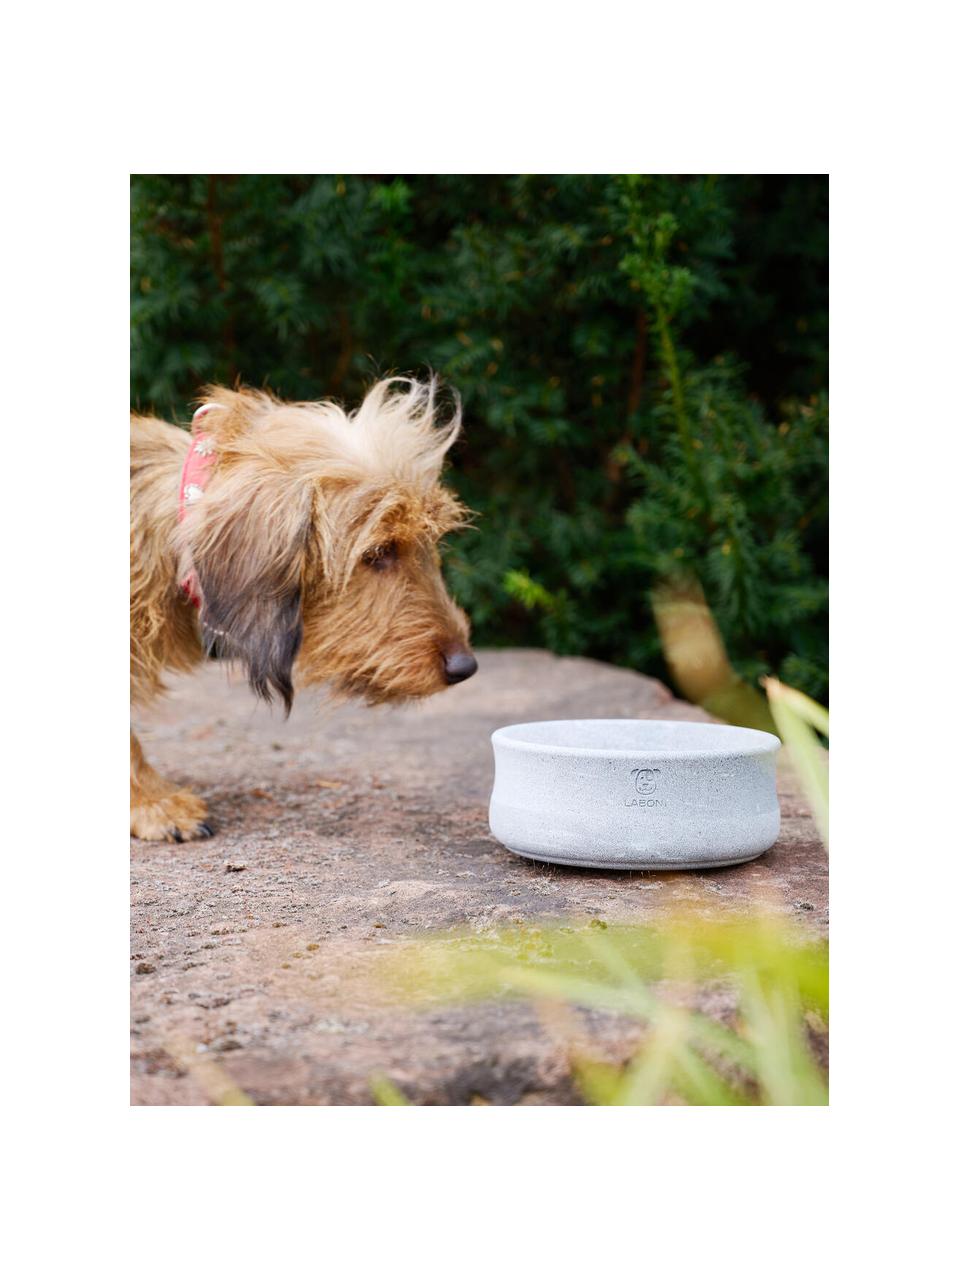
(177, 817)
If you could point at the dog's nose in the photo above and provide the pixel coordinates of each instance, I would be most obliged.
(458, 664)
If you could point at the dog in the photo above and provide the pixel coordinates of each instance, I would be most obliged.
(301, 541)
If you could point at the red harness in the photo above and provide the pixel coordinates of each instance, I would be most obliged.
(197, 467)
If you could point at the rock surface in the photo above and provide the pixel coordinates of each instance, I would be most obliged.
(344, 830)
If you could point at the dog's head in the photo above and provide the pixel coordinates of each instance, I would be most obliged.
(315, 545)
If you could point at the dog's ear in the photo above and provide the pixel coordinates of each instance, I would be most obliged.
(248, 551)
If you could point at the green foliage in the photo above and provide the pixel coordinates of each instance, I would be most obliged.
(764, 1052)
(641, 358)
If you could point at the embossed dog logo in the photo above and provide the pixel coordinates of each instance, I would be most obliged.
(645, 780)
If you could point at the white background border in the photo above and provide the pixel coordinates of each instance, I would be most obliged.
(96, 92)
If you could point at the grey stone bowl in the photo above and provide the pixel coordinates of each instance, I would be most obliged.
(635, 794)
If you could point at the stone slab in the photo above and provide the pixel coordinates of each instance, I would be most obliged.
(342, 831)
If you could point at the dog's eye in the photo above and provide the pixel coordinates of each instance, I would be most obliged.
(382, 557)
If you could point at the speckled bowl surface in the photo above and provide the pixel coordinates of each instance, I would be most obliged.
(635, 794)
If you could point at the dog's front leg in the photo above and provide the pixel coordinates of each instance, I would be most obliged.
(158, 809)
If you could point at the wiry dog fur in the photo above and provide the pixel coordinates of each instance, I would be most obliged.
(315, 551)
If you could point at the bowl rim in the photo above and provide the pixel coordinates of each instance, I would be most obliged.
(758, 741)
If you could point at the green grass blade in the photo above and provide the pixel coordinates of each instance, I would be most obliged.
(806, 753)
(386, 1093)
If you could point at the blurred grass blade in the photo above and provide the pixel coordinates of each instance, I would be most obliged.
(805, 707)
(697, 656)
(649, 1077)
(386, 1094)
(772, 980)
(701, 1084)
(234, 1097)
(786, 1070)
(217, 1084)
(599, 1082)
(797, 717)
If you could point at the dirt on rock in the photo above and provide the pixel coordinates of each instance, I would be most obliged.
(342, 832)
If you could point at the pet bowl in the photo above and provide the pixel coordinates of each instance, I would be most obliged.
(635, 794)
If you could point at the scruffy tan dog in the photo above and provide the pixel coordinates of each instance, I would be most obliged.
(305, 546)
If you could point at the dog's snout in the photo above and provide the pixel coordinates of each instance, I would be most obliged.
(458, 664)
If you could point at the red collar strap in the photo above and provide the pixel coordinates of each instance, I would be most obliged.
(197, 467)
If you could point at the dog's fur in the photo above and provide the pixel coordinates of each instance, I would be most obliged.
(314, 548)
